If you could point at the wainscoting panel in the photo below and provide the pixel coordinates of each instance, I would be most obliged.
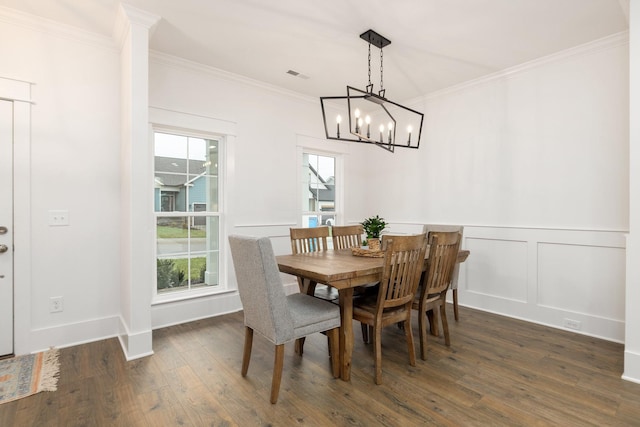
(499, 268)
(582, 279)
(569, 279)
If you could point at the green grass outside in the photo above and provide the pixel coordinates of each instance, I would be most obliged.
(197, 264)
(165, 232)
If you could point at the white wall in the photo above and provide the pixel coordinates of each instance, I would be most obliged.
(75, 167)
(533, 162)
(632, 337)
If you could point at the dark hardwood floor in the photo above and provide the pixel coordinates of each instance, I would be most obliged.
(498, 371)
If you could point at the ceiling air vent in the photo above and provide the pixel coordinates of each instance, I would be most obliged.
(297, 74)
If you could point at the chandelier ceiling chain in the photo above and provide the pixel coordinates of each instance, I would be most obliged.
(396, 123)
(381, 84)
(369, 65)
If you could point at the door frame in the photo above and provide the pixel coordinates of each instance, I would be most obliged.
(19, 92)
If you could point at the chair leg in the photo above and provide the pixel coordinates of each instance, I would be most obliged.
(246, 355)
(277, 372)
(422, 323)
(445, 324)
(409, 333)
(433, 321)
(455, 304)
(377, 353)
(365, 332)
(334, 350)
(299, 346)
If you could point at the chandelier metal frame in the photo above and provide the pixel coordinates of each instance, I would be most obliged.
(387, 109)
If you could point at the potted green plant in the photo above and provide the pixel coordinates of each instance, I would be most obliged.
(373, 226)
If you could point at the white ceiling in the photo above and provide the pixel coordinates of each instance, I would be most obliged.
(434, 43)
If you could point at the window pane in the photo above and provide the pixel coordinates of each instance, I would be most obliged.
(172, 236)
(310, 221)
(318, 190)
(212, 181)
(186, 180)
(171, 274)
(197, 149)
(171, 168)
(207, 248)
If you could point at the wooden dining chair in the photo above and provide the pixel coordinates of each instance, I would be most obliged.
(403, 261)
(278, 317)
(350, 236)
(347, 236)
(304, 240)
(312, 239)
(432, 295)
(427, 228)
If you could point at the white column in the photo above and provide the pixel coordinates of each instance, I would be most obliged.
(632, 314)
(136, 233)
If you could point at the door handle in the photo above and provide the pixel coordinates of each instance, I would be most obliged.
(3, 229)
(3, 249)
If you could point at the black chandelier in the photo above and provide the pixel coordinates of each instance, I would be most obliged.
(372, 118)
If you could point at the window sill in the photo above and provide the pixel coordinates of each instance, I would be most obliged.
(178, 296)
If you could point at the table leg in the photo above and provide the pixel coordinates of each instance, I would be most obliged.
(346, 332)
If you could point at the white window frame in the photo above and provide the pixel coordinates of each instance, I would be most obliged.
(179, 123)
(310, 147)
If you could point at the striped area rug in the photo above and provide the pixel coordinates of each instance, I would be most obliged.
(25, 375)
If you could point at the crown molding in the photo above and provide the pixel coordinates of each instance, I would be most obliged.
(129, 15)
(54, 28)
(614, 40)
(174, 61)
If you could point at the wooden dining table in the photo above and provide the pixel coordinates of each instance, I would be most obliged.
(343, 271)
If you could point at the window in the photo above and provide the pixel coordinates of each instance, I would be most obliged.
(187, 211)
(318, 190)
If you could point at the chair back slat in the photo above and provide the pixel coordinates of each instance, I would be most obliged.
(347, 236)
(443, 251)
(404, 257)
(305, 240)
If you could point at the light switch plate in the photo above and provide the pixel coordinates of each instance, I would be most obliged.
(57, 218)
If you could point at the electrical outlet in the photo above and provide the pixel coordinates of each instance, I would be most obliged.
(56, 304)
(572, 324)
(57, 218)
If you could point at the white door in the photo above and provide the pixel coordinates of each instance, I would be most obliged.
(6, 227)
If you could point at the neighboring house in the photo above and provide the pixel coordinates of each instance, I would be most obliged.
(179, 186)
(322, 195)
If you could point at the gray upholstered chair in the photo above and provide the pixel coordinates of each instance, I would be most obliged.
(271, 313)
(427, 228)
